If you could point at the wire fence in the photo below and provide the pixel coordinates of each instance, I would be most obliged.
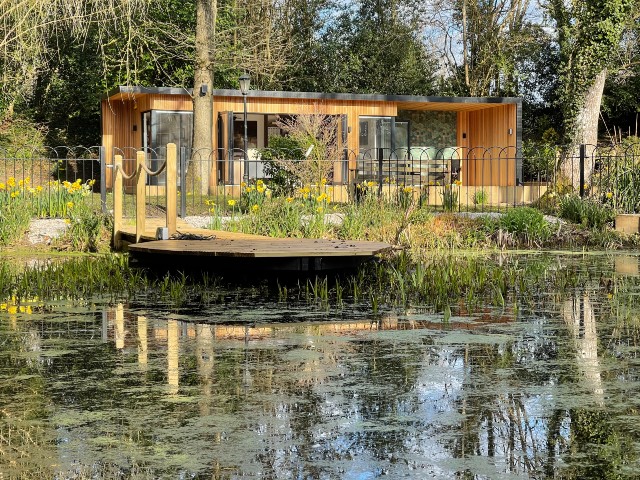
(453, 178)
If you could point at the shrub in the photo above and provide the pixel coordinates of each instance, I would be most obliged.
(281, 149)
(526, 223)
(586, 212)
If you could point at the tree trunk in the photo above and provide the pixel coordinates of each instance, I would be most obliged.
(586, 131)
(202, 158)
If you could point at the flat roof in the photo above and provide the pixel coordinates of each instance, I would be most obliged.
(408, 102)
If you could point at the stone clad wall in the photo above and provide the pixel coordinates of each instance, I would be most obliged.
(431, 129)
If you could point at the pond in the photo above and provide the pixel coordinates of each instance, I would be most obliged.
(257, 386)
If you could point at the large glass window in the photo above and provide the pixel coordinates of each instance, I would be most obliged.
(160, 128)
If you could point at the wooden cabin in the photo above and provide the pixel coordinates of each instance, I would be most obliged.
(475, 140)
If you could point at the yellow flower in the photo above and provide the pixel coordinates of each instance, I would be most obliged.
(67, 221)
(11, 182)
(255, 208)
(66, 184)
(609, 195)
(3, 306)
(21, 183)
(91, 182)
(586, 186)
(2, 186)
(289, 199)
(14, 194)
(371, 183)
(407, 189)
(243, 184)
(27, 180)
(260, 188)
(12, 309)
(609, 296)
(21, 309)
(69, 204)
(457, 182)
(212, 210)
(323, 182)
(320, 209)
(32, 190)
(232, 203)
(260, 183)
(552, 194)
(38, 188)
(28, 310)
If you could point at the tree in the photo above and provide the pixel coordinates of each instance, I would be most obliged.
(589, 33)
(29, 25)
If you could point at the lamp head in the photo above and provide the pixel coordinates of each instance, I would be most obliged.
(245, 82)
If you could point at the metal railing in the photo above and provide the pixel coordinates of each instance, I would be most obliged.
(452, 178)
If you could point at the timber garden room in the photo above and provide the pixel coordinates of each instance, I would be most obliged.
(386, 140)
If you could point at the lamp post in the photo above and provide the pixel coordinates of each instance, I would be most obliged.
(245, 80)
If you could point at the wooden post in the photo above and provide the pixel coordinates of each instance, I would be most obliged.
(172, 187)
(117, 202)
(141, 201)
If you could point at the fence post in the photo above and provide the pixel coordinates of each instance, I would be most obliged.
(103, 179)
(172, 185)
(141, 201)
(183, 182)
(117, 202)
(583, 154)
(380, 153)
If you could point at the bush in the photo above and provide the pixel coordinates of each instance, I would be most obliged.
(526, 223)
(281, 180)
(586, 212)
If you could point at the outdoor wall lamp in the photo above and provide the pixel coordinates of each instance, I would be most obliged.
(245, 82)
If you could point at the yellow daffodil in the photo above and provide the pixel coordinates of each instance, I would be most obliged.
(232, 203)
(289, 199)
(609, 195)
(39, 188)
(14, 194)
(12, 309)
(11, 182)
(319, 209)
(255, 208)
(260, 188)
(2, 186)
(91, 182)
(407, 189)
(28, 310)
(69, 204)
(67, 221)
(243, 184)
(3, 306)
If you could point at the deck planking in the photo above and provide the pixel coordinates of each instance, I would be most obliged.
(240, 252)
(262, 248)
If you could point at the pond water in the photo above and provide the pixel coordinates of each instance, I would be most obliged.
(546, 387)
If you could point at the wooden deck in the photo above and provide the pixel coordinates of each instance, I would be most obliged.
(229, 251)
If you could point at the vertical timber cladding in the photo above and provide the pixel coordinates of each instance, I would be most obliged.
(122, 126)
(353, 109)
(490, 146)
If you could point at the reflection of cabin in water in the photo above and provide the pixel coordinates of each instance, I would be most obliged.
(417, 138)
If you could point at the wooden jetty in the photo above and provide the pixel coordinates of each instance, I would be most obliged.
(221, 250)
